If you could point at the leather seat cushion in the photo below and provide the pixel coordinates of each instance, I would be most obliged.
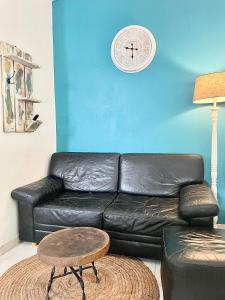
(141, 214)
(73, 209)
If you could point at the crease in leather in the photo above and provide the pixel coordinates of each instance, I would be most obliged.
(159, 174)
(141, 214)
(74, 209)
(205, 246)
(86, 171)
(37, 225)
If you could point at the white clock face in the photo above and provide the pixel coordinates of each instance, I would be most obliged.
(133, 49)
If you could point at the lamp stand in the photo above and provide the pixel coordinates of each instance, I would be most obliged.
(214, 150)
(214, 154)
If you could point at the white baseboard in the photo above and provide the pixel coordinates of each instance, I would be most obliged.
(9, 245)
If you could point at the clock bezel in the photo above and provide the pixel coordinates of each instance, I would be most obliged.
(148, 61)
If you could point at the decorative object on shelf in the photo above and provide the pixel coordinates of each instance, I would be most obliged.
(19, 92)
(133, 49)
(27, 56)
(29, 83)
(210, 89)
(9, 119)
(32, 125)
(16, 82)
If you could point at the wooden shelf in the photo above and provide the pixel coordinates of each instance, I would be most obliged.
(22, 61)
(29, 100)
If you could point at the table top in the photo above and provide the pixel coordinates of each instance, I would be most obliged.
(73, 246)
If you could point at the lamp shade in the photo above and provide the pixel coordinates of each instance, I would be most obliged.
(210, 88)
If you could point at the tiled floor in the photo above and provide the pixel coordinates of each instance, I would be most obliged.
(24, 250)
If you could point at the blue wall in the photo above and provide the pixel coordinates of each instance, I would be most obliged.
(100, 108)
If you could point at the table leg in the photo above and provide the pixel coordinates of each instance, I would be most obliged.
(95, 271)
(50, 282)
(81, 271)
(79, 278)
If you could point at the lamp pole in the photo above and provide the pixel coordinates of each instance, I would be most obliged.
(214, 149)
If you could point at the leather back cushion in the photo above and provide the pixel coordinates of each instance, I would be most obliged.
(90, 172)
(159, 174)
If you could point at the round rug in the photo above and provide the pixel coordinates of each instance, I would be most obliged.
(121, 278)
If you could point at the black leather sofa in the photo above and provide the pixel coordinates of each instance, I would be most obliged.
(131, 196)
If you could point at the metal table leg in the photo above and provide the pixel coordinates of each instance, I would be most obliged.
(50, 282)
(95, 271)
(80, 279)
(78, 274)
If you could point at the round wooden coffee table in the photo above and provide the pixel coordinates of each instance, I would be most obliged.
(72, 247)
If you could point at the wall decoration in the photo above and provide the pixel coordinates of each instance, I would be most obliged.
(18, 52)
(33, 125)
(19, 93)
(16, 82)
(7, 48)
(8, 96)
(29, 82)
(29, 110)
(27, 56)
(133, 49)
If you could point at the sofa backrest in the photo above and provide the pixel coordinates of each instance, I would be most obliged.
(159, 174)
(90, 172)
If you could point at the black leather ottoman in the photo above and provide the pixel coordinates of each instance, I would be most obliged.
(193, 265)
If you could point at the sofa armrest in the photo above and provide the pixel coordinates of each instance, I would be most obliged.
(197, 201)
(28, 196)
(38, 190)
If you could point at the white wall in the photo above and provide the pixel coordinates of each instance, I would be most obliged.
(24, 156)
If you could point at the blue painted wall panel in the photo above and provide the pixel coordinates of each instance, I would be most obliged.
(100, 108)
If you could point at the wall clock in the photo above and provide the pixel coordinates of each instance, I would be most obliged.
(133, 49)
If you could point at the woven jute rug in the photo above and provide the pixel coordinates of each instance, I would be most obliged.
(121, 278)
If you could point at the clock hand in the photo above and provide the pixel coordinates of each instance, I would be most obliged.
(132, 50)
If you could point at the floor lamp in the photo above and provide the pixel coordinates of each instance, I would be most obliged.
(210, 88)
